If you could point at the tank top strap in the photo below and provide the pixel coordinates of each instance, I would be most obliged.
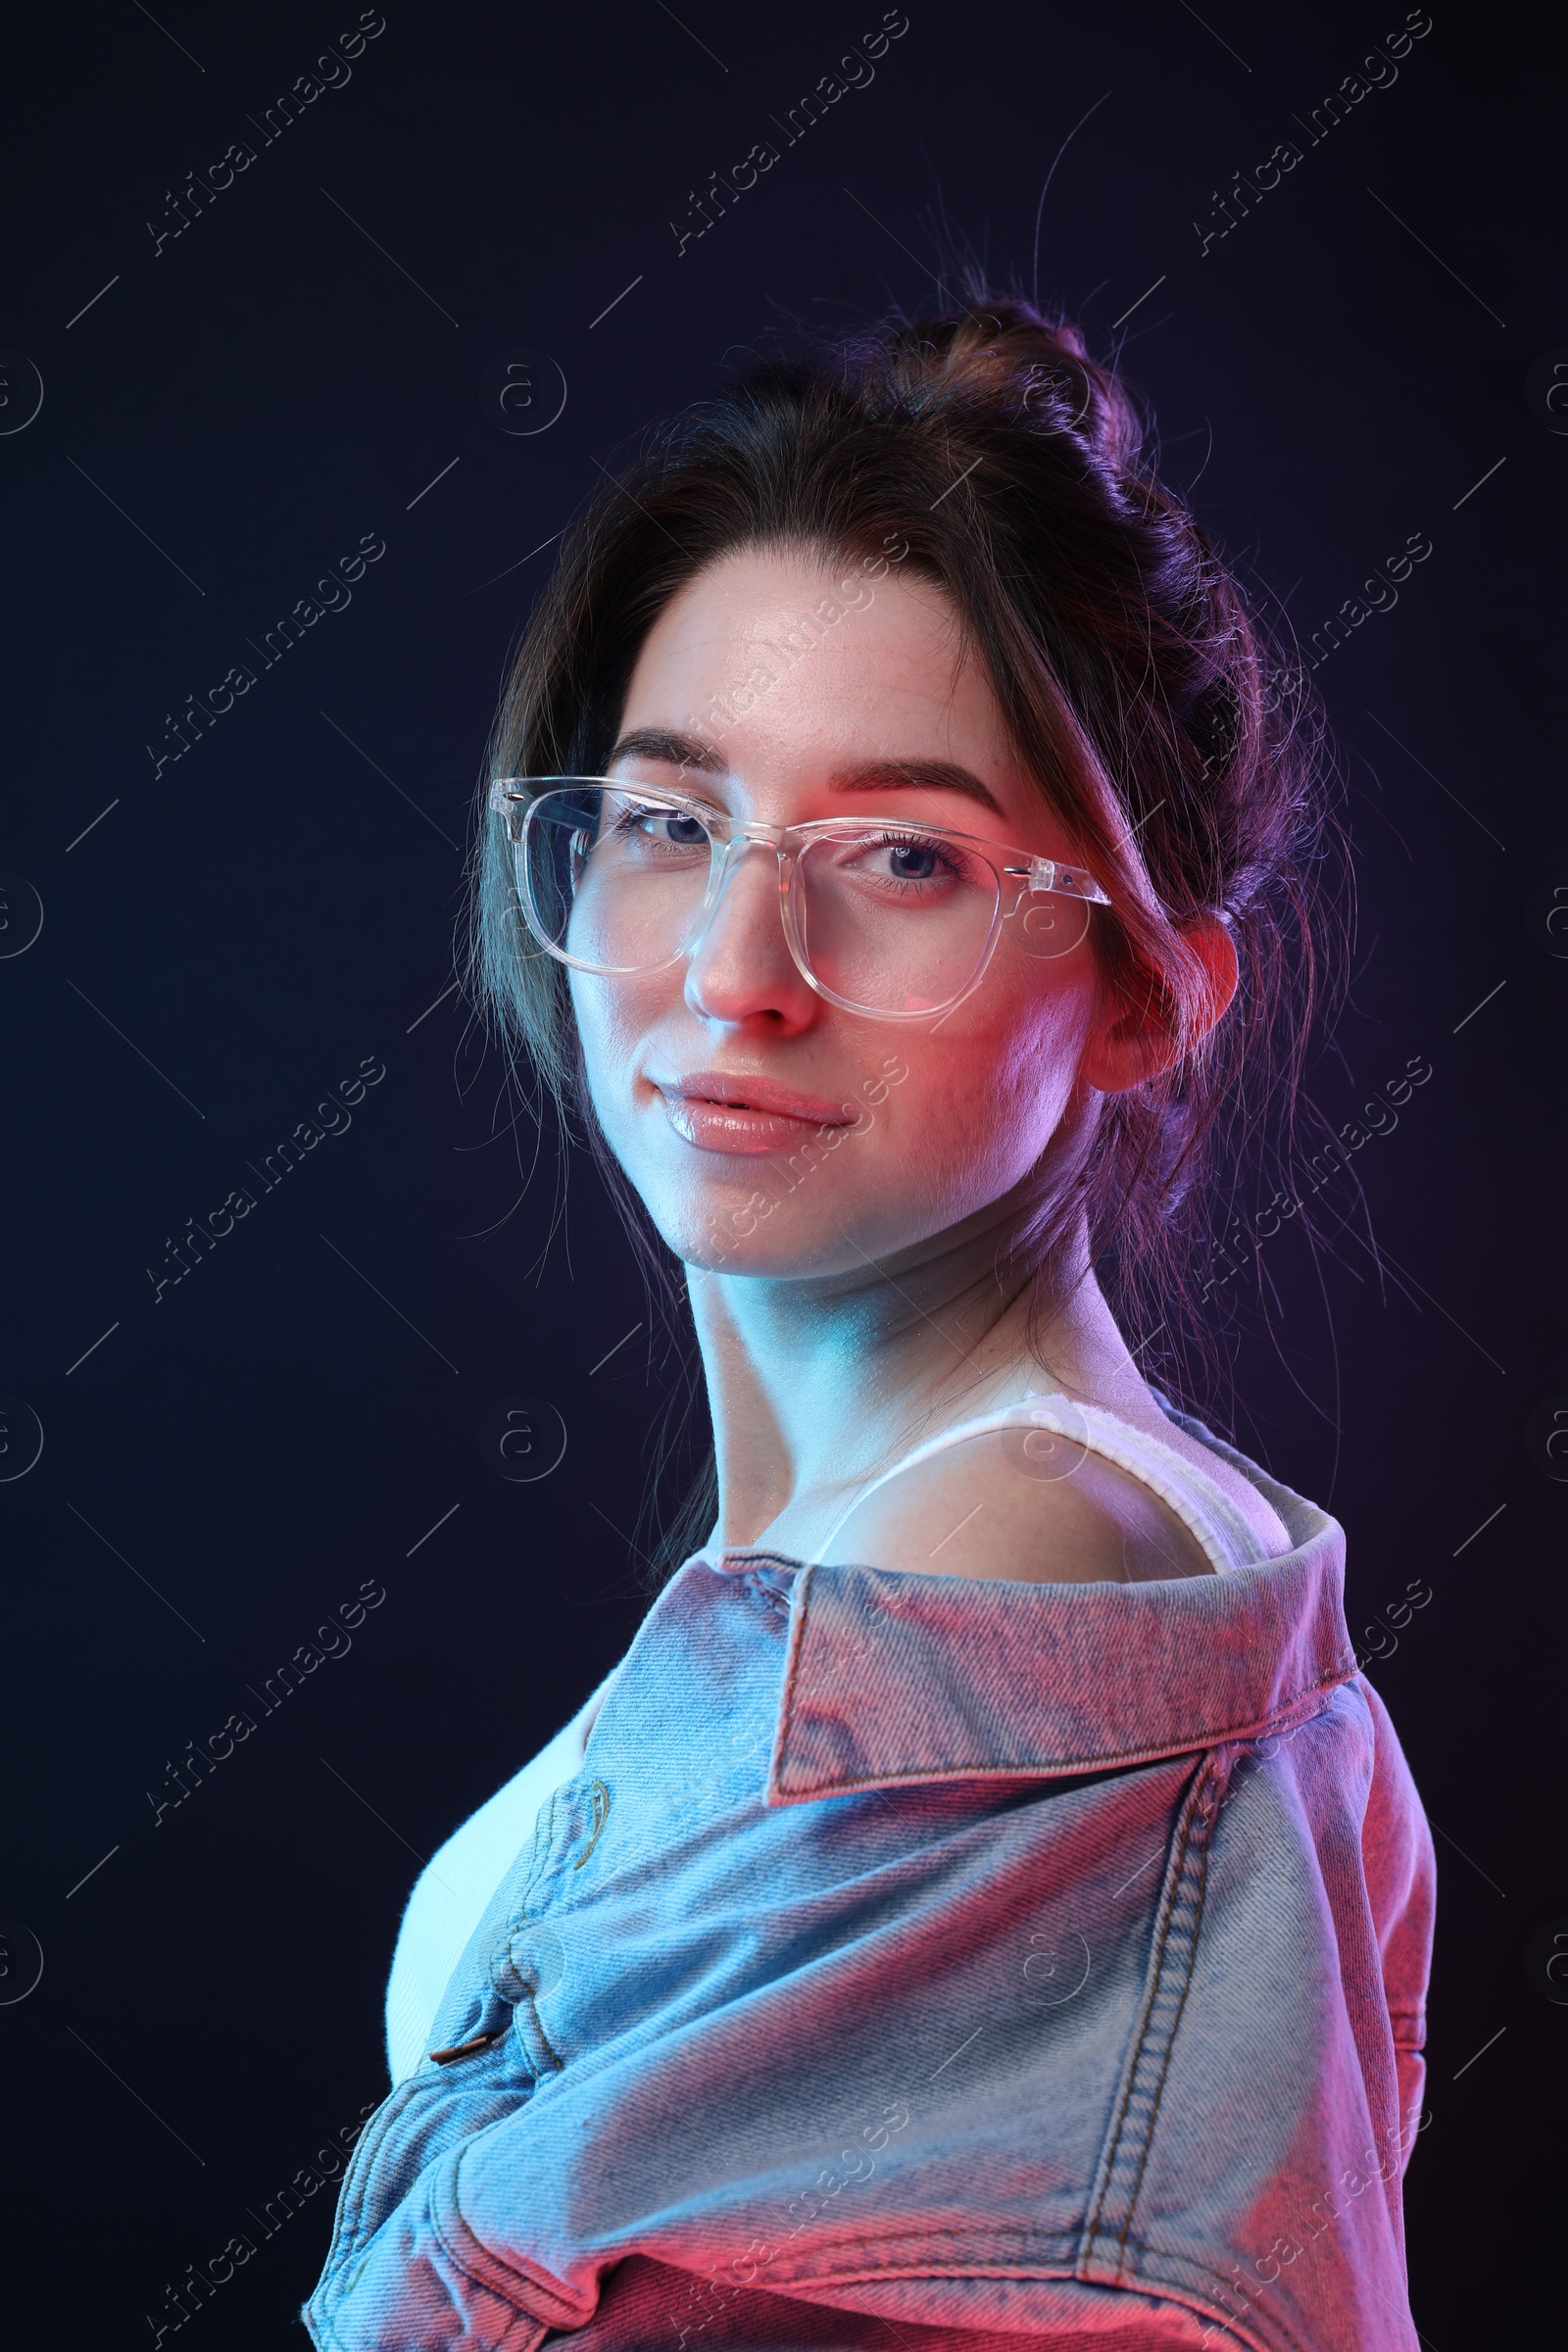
(1198, 1502)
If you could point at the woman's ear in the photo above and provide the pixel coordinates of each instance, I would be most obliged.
(1128, 1043)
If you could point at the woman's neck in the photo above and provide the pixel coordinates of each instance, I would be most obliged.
(815, 1385)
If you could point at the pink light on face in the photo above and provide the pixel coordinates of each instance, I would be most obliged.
(886, 721)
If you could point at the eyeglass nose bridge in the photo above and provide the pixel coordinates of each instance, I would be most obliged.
(729, 850)
(769, 837)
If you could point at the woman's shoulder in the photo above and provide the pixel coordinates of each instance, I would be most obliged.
(1052, 1492)
(1239, 1490)
(973, 1510)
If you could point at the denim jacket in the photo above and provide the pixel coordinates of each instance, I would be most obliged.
(1007, 1962)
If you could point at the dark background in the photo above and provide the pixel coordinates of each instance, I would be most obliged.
(241, 929)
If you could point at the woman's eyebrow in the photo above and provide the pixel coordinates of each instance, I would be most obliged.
(676, 751)
(876, 776)
(942, 775)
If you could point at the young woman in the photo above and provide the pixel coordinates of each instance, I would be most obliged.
(986, 1906)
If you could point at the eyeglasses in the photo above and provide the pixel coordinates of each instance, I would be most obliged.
(882, 916)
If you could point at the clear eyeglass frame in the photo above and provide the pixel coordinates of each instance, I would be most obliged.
(515, 797)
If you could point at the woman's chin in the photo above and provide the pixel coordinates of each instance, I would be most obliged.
(755, 1235)
(776, 1258)
(783, 1240)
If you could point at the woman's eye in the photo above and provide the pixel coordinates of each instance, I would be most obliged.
(913, 860)
(667, 828)
(912, 864)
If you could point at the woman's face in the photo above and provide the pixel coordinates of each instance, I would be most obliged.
(767, 1130)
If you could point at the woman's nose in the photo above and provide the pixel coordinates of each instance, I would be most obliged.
(741, 968)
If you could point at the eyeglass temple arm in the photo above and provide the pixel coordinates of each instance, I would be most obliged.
(1044, 873)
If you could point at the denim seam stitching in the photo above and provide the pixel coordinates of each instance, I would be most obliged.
(492, 2258)
(484, 2285)
(1206, 1781)
(1147, 2029)
(347, 2226)
(1144, 2024)
(1160, 2287)
(320, 2318)
(443, 2238)
(1233, 2321)
(539, 2029)
(863, 2247)
(979, 2266)
(351, 2238)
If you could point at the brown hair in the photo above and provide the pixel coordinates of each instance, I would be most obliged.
(1178, 747)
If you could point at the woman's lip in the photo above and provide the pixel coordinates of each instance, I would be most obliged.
(747, 1117)
(745, 1093)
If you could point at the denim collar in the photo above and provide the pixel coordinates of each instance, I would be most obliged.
(892, 1677)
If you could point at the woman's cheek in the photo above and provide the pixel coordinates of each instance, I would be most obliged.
(942, 1139)
(610, 1024)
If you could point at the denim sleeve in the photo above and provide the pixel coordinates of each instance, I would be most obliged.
(1401, 1865)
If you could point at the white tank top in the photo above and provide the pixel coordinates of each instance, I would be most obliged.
(1203, 1508)
(453, 1891)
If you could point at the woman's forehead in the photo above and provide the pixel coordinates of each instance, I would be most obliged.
(788, 667)
(826, 624)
